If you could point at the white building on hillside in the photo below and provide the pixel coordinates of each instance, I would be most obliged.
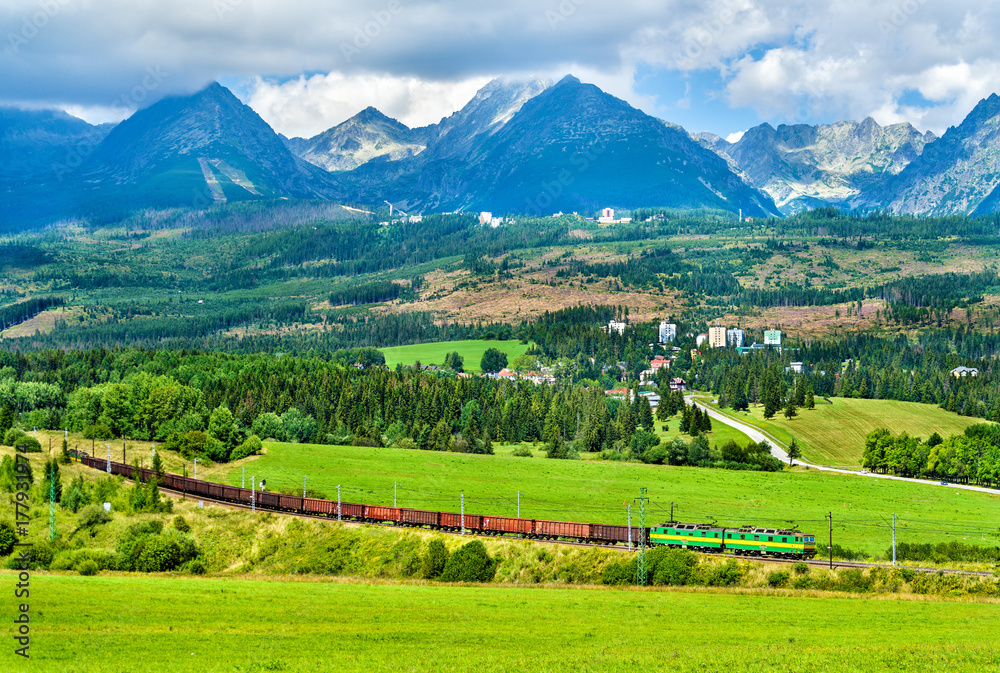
(668, 332)
(734, 338)
(716, 337)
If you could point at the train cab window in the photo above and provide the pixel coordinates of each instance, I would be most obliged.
(770, 538)
(703, 533)
(743, 537)
(730, 536)
(756, 537)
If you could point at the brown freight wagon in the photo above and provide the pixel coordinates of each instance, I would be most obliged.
(267, 499)
(554, 529)
(380, 513)
(350, 510)
(454, 521)
(417, 517)
(231, 492)
(214, 490)
(506, 524)
(317, 506)
(614, 534)
(290, 502)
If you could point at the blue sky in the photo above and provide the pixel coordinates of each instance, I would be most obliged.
(304, 65)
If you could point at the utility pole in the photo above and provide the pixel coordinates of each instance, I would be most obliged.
(640, 574)
(394, 486)
(305, 480)
(630, 527)
(518, 504)
(109, 459)
(195, 468)
(894, 538)
(124, 459)
(253, 495)
(463, 514)
(671, 512)
(52, 499)
(830, 517)
(243, 483)
(338, 502)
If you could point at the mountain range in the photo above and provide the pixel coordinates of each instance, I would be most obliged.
(519, 146)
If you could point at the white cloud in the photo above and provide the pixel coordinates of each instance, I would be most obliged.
(307, 106)
(734, 137)
(787, 60)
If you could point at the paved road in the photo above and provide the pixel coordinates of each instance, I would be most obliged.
(779, 451)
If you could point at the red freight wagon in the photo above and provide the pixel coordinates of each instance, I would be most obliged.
(267, 499)
(454, 521)
(553, 529)
(379, 513)
(317, 506)
(350, 510)
(416, 517)
(614, 534)
(504, 524)
(292, 502)
(214, 490)
(231, 492)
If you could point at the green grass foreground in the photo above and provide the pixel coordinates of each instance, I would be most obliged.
(834, 434)
(598, 491)
(162, 624)
(434, 353)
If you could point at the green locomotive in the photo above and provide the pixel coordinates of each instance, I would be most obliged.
(743, 541)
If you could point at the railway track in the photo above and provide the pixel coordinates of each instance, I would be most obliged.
(587, 545)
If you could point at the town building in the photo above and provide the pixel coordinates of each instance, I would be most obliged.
(772, 337)
(962, 372)
(678, 384)
(700, 339)
(668, 332)
(616, 326)
(734, 338)
(485, 217)
(717, 337)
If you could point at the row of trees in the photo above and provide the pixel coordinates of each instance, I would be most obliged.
(973, 457)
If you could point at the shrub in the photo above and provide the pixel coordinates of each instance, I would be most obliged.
(7, 538)
(181, 524)
(405, 443)
(434, 560)
(12, 435)
(97, 431)
(469, 563)
(777, 579)
(675, 567)
(847, 554)
(27, 444)
(366, 441)
(618, 574)
(42, 554)
(251, 446)
(196, 567)
(92, 517)
(726, 575)
(88, 568)
(522, 451)
(801, 568)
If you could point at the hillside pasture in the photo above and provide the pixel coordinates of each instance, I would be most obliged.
(600, 492)
(434, 353)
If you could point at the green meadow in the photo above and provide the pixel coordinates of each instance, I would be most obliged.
(599, 492)
(834, 433)
(116, 624)
(434, 353)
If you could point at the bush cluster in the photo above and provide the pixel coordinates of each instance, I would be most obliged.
(469, 563)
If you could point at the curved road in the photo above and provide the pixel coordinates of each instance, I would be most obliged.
(778, 450)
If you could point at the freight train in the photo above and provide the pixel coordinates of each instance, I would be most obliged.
(743, 541)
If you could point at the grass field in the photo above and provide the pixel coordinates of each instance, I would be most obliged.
(170, 624)
(834, 434)
(599, 491)
(434, 353)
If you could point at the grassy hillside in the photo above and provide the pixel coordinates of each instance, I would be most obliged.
(834, 434)
(173, 624)
(599, 491)
(434, 353)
